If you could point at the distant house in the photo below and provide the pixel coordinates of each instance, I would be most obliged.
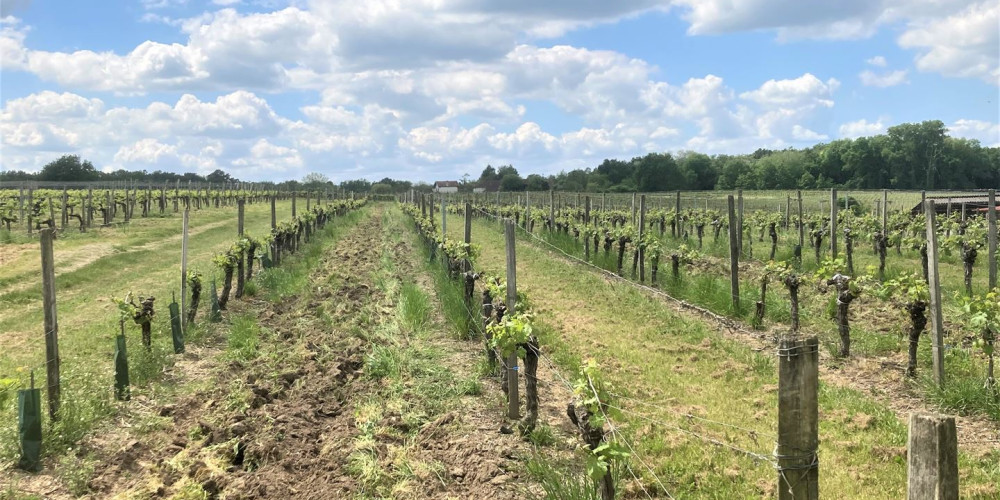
(446, 187)
(487, 187)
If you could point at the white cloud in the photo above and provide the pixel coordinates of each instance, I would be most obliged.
(965, 44)
(861, 128)
(985, 132)
(144, 152)
(887, 79)
(877, 61)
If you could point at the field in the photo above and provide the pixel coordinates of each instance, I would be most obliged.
(356, 368)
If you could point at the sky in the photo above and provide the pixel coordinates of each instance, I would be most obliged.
(434, 89)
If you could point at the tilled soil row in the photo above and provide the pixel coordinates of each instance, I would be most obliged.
(286, 423)
(275, 426)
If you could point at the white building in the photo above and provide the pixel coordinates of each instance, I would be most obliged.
(446, 187)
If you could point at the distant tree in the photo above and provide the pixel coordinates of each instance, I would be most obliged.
(69, 168)
(699, 170)
(489, 174)
(658, 172)
(379, 188)
(615, 171)
(512, 182)
(506, 170)
(220, 176)
(315, 178)
(356, 186)
(535, 182)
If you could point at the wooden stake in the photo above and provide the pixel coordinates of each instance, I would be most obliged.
(932, 458)
(937, 324)
(513, 401)
(991, 218)
(184, 254)
(798, 419)
(51, 324)
(734, 255)
(642, 231)
(833, 223)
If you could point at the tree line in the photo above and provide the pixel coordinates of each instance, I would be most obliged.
(907, 156)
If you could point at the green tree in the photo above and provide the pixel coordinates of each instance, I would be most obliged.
(489, 174)
(535, 182)
(616, 171)
(69, 168)
(219, 176)
(512, 182)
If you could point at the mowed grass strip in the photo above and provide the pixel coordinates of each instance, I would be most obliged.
(673, 365)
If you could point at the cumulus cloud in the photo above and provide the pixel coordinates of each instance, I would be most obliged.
(861, 128)
(965, 44)
(888, 79)
(985, 132)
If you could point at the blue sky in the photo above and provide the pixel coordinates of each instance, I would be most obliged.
(433, 89)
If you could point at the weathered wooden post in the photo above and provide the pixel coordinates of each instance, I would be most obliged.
(240, 281)
(802, 229)
(932, 458)
(833, 223)
(933, 278)
(642, 232)
(184, 255)
(444, 217)
(633, 209)
(885, 212)
(676, 232)
(739, 208)
(513, 401)
(293, 203)
(991, 218)
(51, 324)
(734, 256)
(798, 418)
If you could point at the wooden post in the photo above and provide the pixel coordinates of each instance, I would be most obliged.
(468, 225)
(293, 203)
(677, 233)
(798, 419)
(802, 226)
(642, 232)
(31, 209)
(240, 266)
(932, 458)
(788, 209)
(991, 218)
(552, 210)
(633, 209)
(184, 262)
(51, 323)
(734, 255)
(20, 204)
(885, 212)
(739, 233)
(444, 217)
(274, 218)
(933, 278)
(833, 223)
(513, 401)
(65, 219)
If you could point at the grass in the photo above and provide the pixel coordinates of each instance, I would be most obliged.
(144, 258)
(871, 333)
(681, 365)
